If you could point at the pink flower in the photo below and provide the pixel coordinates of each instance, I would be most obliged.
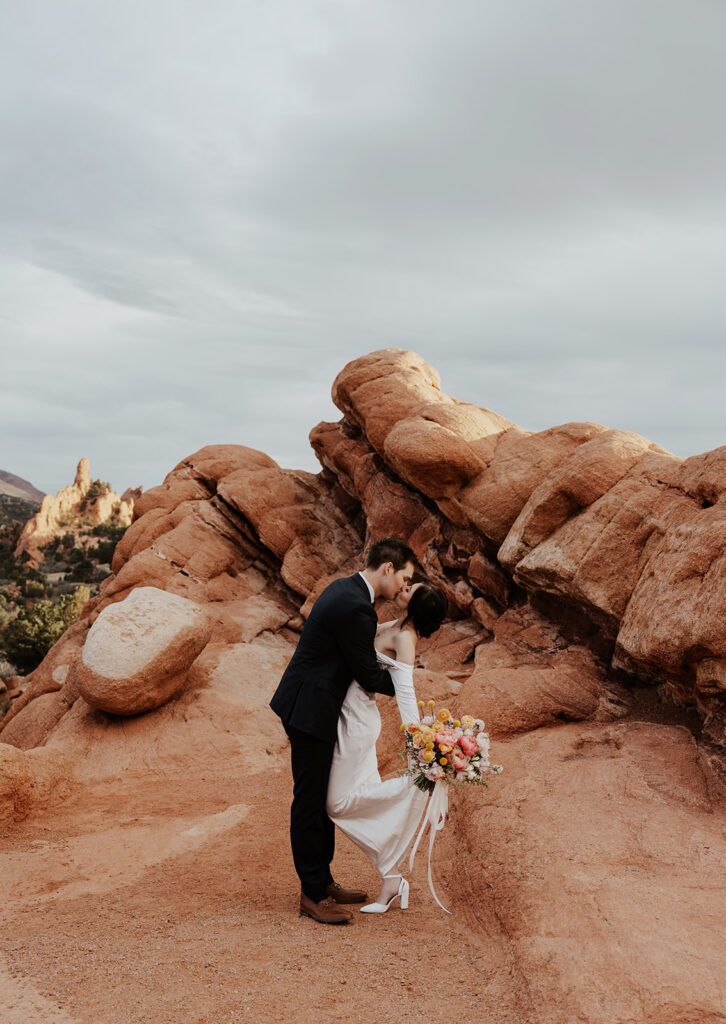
(434, 772)
(469, 745)
(460, 763)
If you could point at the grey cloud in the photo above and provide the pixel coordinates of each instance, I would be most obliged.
(205, 213)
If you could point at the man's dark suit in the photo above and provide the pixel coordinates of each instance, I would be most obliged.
(335, 647)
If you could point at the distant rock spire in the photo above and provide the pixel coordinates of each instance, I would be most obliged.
(83, 476)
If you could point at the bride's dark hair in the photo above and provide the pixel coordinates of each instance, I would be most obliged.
(427, 609)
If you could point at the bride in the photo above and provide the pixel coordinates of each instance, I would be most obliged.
(381, 817)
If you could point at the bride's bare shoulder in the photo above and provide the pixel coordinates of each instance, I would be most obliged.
(405, 646)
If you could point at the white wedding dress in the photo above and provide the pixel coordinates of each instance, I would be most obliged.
(381, 817)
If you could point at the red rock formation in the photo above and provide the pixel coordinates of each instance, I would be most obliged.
(58, 513)
(585, 572)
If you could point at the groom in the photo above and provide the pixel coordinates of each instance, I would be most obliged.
(335, 647)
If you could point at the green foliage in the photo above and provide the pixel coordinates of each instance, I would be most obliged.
(96, 490)
(109, 530)
(16, 511)
(34, 588)
(82, 569)
(50, 550)
(27, 639)
(104, 551)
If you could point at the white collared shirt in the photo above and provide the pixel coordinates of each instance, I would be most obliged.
(370, 588)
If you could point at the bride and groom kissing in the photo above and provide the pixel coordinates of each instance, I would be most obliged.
(326, 701)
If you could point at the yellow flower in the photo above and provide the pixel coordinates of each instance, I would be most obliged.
(403, 727)
(428, 755)
(457, 723)
(444, 715)
(429, 745)
(437, 726)
(467, 722)
(443, 760)
(431, 703)
(420, 703)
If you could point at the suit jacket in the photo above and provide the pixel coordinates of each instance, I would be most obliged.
(335, 647)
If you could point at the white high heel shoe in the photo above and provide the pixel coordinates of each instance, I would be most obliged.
(381, 908)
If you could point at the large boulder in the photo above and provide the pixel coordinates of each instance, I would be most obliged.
(138, 652)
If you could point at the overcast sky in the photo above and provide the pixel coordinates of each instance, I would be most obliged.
(207, 207)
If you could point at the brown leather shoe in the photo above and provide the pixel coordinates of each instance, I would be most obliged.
(326, 911)
(341, 895)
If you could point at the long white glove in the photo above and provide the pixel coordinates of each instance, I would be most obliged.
(405, 693)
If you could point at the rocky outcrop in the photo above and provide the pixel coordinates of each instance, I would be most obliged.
(139, 651)
(584, 568)
(68, 507)
(611, 538)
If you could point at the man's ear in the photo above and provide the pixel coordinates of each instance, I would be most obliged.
(388, 569)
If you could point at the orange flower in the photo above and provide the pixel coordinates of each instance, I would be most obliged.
(418, 739)
(444, 715)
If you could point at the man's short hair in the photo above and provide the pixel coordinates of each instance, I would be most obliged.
(390, 549)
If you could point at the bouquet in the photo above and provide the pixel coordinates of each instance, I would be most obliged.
(445, 749)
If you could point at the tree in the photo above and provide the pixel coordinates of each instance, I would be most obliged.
(27, 638)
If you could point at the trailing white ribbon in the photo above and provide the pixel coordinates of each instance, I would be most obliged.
(435, 817)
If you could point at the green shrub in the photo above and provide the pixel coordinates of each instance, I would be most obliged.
(82, 570)
(110, 530)
(104, 551)
(27, 638)
(34, 588)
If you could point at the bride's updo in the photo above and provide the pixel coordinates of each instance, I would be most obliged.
(426, 609)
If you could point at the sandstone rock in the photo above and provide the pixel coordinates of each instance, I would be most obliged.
(588, 880)
(32, 724)
(593, 854)
(58, 512)
(675, 619)
(221, 718)
(138, 652)
(50, 675)
(29, 780)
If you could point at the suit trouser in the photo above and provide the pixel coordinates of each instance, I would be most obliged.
(312, 833)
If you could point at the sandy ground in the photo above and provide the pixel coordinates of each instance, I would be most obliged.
(176, 903)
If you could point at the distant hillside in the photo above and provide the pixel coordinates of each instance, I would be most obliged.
(16, 487)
